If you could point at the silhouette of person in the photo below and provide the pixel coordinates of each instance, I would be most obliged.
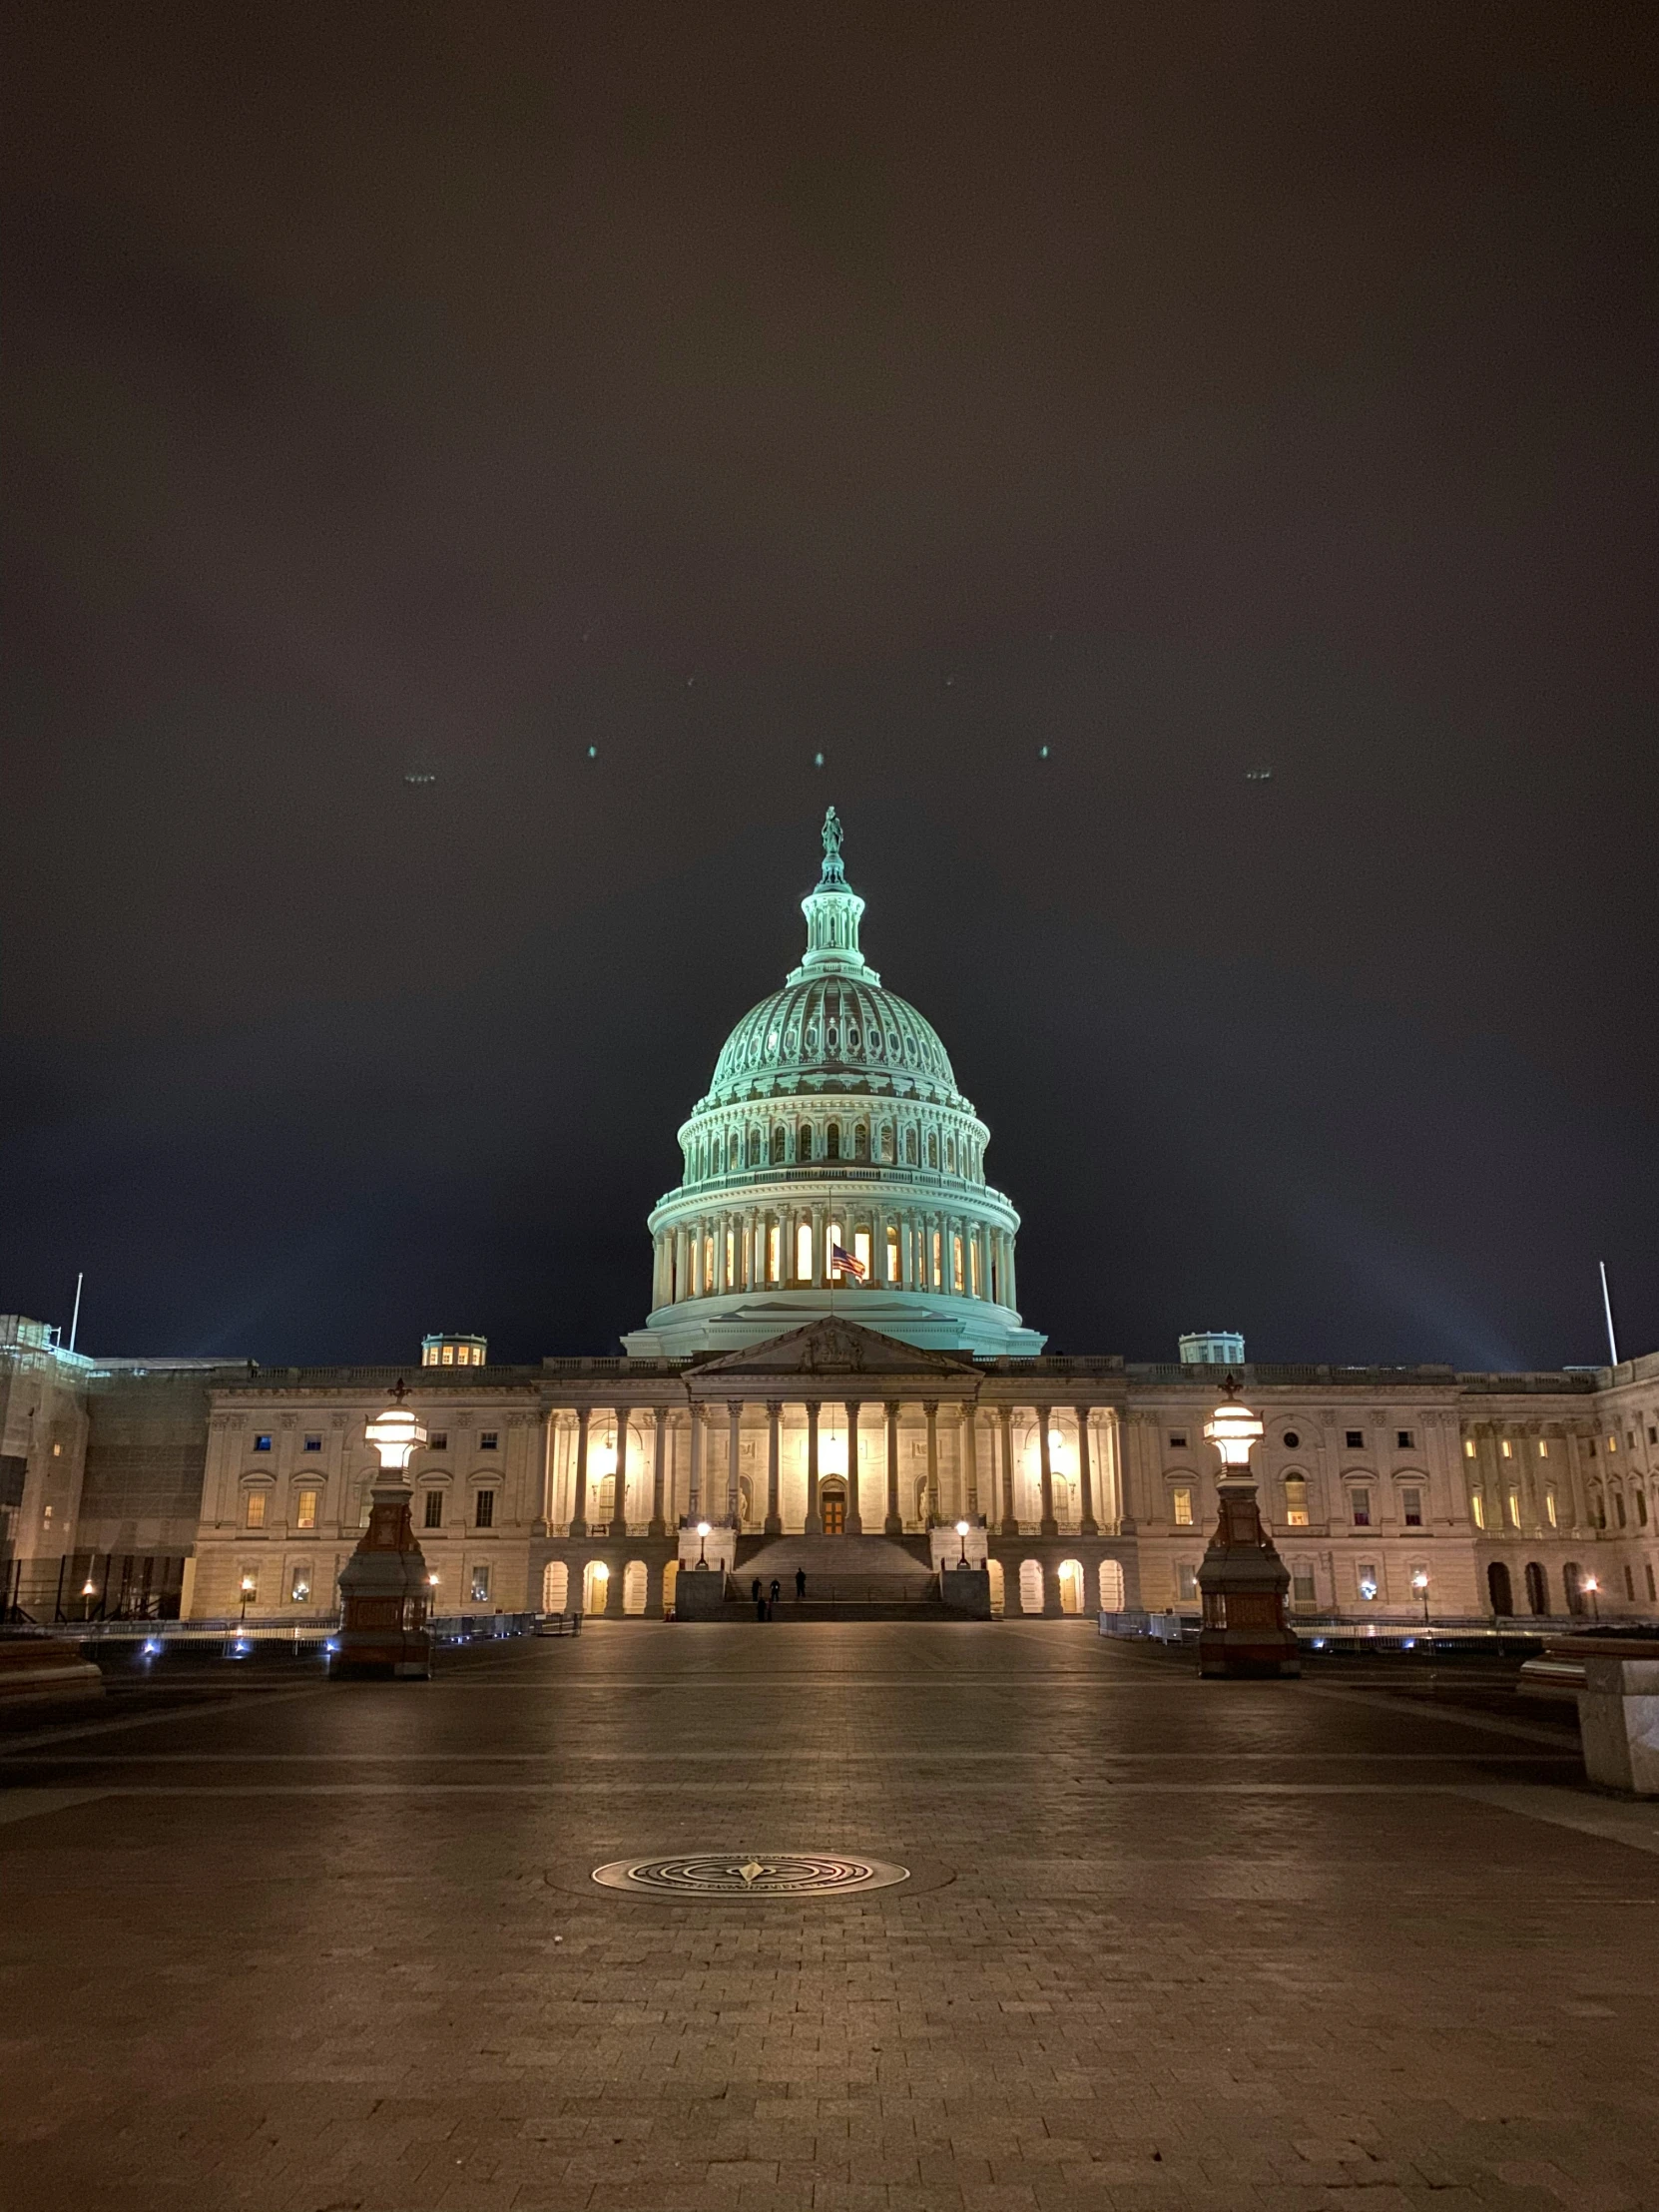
(800, 1584)
(776, 1589)
(755, 1589)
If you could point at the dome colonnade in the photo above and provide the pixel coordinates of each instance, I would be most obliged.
(833, 1118)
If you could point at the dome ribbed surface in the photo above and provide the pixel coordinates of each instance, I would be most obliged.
(833, 1028)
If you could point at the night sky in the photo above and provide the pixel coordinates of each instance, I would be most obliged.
(444, 390)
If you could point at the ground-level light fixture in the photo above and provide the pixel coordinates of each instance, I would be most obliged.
(702, 1543)
(1591, 1587)
(963, 1533)
(248, 1587)
(1419, 1583)
(89, 1588)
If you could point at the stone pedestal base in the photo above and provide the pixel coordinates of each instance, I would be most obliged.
(1618, 1714)
(1258, 1651)
(967, 1590)
(698, 1593)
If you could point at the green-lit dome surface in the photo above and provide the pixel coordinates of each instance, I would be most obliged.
(833, 1033)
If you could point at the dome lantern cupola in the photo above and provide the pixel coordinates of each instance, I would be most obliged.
(832, 1120)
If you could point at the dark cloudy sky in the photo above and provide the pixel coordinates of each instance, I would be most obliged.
(1186, 388)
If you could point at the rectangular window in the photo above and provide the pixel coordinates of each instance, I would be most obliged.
(299, 1586)
(480, 1585)
(1367, 1580)
(447, 1356)
(489, 1438)
(1359, 1500)
(1543, 1447)
(1514, 1509)
(1589, 1447)
(1477, 1510)
(1296, 1502)
(256, 1508)
(483, 1511)
(938, 1260)
(861, 1250)
(1507, 1448)
(1178, 1440)
(1355, 1438)
(439, 1440)
(1186, 1583)
(313, 1443)
(429, 1357)
(1402, 1437)
(262, 1443)
(775, 1244)
(1550, 1509)
(434, 1509)
(1648, 1571)
(1612, 1441)
(1302, 1585)
(305, 1513)
(1630, 1584)
(1468, 1448)
(892, 1254)
(956, 1277)
(731, 1259)
(1412, 1505)
(973, 1268)
(1182, 1499)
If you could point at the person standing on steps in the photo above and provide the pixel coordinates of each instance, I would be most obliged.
(800, 1584)
(759, 1601)
(776, 1592)
(755, 1589)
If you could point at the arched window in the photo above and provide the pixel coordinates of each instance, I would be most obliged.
(1110, 1578)
(1071, 1585)
(733, 1156)
(1572, 1586)
(932, 1148)
(886, 1141)
(596, 1584)
(804, 1142)
(671, 1575)
(778, 1141)
(1296, 1502)
(950, 1163)
(753, 1148)
(910, 1147)
(1537, 1588)
(1618, 1505)
(1499, 1590)
(860, 1142)
(1641, 1506)
(555, 1586)
(1598, 1508)
(633, 1586)
(1031, 1587)
(833, 1141)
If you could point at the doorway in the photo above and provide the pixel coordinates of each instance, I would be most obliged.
(1497, 1589)
(831, 1505)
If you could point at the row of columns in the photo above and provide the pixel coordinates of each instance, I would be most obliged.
(725, 1252)
(892, 1522)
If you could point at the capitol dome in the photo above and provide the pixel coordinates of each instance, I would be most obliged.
(833, 1122)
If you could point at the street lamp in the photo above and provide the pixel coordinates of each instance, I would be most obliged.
(248, 1586)
(384, 1586)
(961, 1531)
(1232, 1429)
(1242, 1579)
(1419, 1583)
(702, 1543)
(1590, 1584)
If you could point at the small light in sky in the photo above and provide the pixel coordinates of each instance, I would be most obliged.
(817, 759)
(1258, 775)
(1042, 753)
(592, 753)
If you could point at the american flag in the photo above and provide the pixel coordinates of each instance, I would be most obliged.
(844, 1264)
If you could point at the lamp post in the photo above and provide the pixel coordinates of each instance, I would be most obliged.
(248, 1586)
(702, 1543)
(963, 1533)
(1242, 1580)
(1592, 1585)
(385, 1586)
(1419, 1583)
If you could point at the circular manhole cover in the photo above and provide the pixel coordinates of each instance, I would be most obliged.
(749, 1874)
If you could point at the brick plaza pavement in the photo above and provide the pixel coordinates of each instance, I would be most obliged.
(1171, 1944)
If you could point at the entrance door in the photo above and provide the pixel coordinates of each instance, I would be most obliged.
(832, 1506)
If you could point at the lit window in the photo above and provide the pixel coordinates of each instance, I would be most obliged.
(1412, 1505)
(448, 1356)
(300, 1588)
(483, 1515)
(430, 1357)
(1355, 1438)
(262, 1443)
(1543, 1447)
(1612, 1441)
(1368, 1583)
(439, 1440)
(773, 1250)
(313, 1443)
(1514, 1509)
(1186, 1582)
(1178, 1440)
(480, 1585)
(1296, 1502)
(1507, 1448)
(892, 1254)
(731, 1256)
(861, 1250)
(1183, 1506)
(487, 1440)
(956, 1264)
(434, 1509)
(1468, 1448)
(1478, 1509)
(305, 1514)
(256, 1508)
(1550, 1509)
(938, 1260)
(1402, 1437)
(1361, 1502)
(803, 1252)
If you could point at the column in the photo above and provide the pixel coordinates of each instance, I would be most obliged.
(579, 1514)
(659, 1525)
(970, 1460)
(905, 1261)
(734, 1422)
(619, 1500)
(1085, 1472)
(695, 1502)
(895, 1523)
(932, 1409)
(815, 1526)
(1010, 1518)
(1011, 1299)
(855, 1519)
(1049, 1525)
(682, 1277)
(774, 1515)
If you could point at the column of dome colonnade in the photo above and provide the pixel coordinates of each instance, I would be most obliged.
(833, 1120)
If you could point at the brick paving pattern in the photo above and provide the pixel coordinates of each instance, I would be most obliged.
(1171, 1944)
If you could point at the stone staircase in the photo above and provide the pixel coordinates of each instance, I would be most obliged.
(848, 1577)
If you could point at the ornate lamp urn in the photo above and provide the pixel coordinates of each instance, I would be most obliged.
(384, 1586)
(1243, 1580)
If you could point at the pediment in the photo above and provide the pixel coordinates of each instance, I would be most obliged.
(836, 1346)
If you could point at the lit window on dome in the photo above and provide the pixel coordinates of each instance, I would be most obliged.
(803, 1252)
(772, 1040)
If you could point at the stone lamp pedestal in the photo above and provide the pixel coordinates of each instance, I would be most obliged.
(1243, 1582)
(384, 1592)
(1618, 1710)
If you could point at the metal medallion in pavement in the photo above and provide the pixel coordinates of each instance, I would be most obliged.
(749, 1874)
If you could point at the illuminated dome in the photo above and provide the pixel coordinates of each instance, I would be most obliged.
(832, 1119)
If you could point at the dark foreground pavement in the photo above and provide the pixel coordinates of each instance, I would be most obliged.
(1169, 1943)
